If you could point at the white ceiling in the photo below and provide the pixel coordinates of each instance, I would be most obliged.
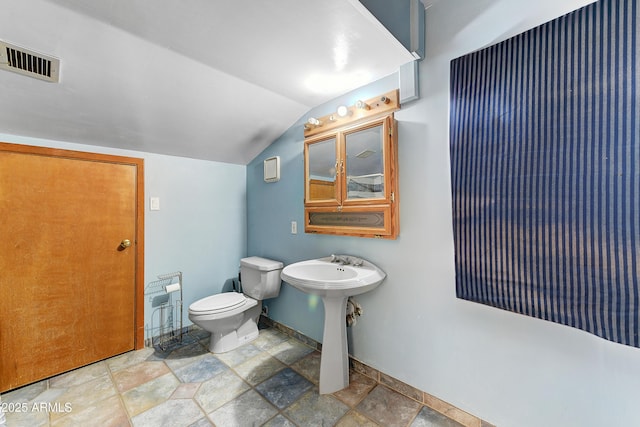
(209, 79)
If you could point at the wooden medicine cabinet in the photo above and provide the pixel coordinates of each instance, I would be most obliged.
(351, 171)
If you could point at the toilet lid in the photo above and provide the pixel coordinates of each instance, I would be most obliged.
(217, 303)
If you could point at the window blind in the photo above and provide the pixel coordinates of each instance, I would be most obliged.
(545, 161)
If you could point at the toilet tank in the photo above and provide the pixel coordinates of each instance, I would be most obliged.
(260, 277)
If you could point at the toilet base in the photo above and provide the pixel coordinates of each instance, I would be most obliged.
(230, 341)
(245, 333)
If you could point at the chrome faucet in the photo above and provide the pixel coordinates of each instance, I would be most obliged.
(345, 260)
(357, 262)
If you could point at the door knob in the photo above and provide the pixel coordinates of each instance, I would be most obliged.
(125, 243)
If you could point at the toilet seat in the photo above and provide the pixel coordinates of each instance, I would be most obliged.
(218, 303)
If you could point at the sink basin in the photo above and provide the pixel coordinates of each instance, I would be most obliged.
(325, 278)
(335, 283)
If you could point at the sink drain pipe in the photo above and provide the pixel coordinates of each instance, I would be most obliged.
(354, 310)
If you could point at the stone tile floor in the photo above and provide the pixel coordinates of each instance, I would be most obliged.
(272, 381)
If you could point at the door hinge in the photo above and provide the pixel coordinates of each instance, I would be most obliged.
(393, 196)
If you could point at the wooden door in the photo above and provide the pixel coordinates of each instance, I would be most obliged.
(70, 293)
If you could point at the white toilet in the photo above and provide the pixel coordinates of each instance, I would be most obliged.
(231, 317)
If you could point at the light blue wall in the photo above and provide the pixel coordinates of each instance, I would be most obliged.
(509, 369)
(200, 228)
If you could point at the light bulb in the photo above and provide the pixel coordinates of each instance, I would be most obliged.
(362, 105)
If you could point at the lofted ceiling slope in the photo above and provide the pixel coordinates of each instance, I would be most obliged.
(208, 79)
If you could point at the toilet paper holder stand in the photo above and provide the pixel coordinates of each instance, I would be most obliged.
(167, 308)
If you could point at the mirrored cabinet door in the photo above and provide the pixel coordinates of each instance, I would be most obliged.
(365, 163)
(322, 170)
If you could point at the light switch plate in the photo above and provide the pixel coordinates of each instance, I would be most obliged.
(154, 203)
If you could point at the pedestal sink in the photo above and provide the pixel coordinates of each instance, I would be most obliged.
(335, 279)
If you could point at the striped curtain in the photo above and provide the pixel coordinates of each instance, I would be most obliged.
(545, 159)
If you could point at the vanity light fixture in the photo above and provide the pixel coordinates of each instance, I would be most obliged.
(347, 114)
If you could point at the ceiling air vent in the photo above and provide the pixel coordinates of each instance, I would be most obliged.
(28, 63)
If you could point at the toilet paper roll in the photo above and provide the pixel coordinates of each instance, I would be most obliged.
(172, 288)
